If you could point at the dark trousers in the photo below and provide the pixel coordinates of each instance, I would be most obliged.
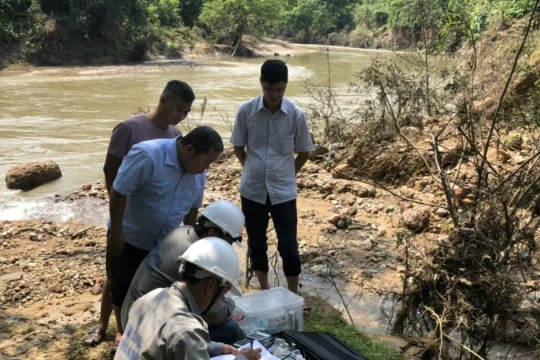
(285, 221)
(121, 270)
(228, 332)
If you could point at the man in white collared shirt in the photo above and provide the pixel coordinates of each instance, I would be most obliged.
(268, 131)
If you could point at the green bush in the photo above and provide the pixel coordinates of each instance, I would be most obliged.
(228, 20)
(12, 18)
(339, 38)
(164, 13)
(361, 37)
(313, 20)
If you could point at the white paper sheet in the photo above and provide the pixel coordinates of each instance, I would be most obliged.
(265, 354)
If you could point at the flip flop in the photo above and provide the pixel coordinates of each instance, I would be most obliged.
(94, 337)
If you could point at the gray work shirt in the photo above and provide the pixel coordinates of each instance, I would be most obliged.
(167, 324)
(270, 141)
(159, 269)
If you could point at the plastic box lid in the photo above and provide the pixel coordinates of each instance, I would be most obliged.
(265, 300)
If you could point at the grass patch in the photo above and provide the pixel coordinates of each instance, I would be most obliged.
(77, 351)
(6, 329)
(75, 348)
(28, 329)
(325, 318)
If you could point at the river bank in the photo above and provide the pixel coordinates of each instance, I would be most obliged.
(191, 54)
(66, 114)
(352, 236)
(51, 272)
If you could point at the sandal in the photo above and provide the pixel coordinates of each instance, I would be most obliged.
(94, 337)
(306, 310)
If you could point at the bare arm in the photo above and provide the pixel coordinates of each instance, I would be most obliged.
(117, 205)
(112, 164)
(240, 152)
(302, 143)
(191, 217)
(300, 160)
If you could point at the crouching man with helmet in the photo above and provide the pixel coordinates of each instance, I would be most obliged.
(167, 323)
(159, 269)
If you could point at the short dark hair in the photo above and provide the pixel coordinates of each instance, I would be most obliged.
(203, 139)
(179, 89)
(274, 71)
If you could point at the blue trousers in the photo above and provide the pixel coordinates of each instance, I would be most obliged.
(228, 332)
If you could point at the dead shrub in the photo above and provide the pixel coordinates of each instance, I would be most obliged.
(470, 288)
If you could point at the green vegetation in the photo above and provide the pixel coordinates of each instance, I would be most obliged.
(324, 318)
(6, 329)
(51, 32)
(313, 20)
(75, 350)
(228, 20)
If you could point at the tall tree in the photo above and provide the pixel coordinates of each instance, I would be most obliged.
(190, 11)
(311, 20)
(228, 20)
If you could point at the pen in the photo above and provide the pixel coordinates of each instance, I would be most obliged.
(251, 344)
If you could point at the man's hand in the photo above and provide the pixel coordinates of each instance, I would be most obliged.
(228, 349)
(254, 354)
(240, 152)
(115, 243)
(299, 161)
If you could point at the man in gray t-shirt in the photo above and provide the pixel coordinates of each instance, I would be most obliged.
(159, 269)
(134, 130)
(160, 123)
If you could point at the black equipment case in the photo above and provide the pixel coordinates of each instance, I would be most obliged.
(320, 346)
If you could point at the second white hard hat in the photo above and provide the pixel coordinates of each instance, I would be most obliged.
(217, 257)
(226, 215)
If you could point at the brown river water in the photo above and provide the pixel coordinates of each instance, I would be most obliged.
(66, 114)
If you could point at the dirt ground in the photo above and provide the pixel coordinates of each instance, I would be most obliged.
(51, 274)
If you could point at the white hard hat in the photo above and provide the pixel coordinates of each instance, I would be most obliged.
(227, 216)
(216, 257)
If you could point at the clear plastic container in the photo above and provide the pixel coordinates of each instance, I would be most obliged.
(271, 311)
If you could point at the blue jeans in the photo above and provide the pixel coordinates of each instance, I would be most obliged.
(228, 332)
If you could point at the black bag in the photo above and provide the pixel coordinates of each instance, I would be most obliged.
(320, 346)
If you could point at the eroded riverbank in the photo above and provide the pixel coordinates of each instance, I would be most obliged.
(51, 272)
